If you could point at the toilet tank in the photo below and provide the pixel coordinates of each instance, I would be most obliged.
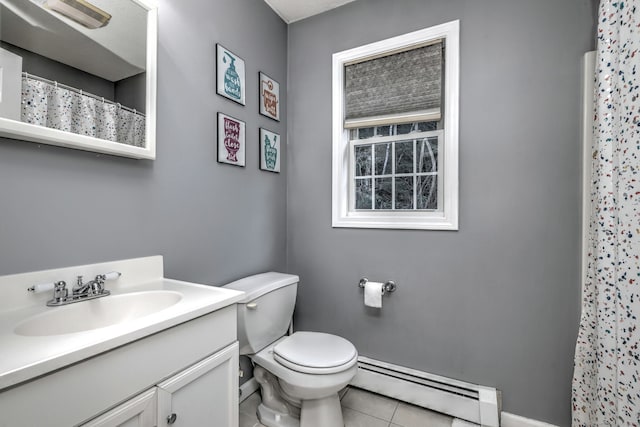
(265, 312)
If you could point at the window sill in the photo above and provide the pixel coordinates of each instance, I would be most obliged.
(398, 221)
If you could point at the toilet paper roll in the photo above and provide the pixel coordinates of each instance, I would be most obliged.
(373, 292)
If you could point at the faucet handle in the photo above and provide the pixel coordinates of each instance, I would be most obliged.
(97, 285)
(112, 275)
(60, 291)
(44, 287)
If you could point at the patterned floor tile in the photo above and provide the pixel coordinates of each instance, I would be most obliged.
(413, 416)
(370, 403)
(358, 419)
(363, 409)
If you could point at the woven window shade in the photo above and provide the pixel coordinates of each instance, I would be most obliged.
(381, 89)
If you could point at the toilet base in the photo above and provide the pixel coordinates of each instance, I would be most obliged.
(272, 418)
(279, 409)
(324, 412)
(315, 413)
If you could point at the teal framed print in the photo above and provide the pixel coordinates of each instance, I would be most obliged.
(230, 75)
(270, 151)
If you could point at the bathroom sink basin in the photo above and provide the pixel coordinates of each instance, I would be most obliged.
(36, 339)
(97, 313)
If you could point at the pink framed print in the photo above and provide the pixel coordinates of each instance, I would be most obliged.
(231, 140)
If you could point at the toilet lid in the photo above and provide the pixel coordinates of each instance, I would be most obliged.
(315, 352)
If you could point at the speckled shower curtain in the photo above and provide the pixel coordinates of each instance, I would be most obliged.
(606, 381)
(55, 107)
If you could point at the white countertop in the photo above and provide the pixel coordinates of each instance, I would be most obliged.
(26, 357)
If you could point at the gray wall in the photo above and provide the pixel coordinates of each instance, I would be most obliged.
(497, 302)
(213, 223)
(131, 92)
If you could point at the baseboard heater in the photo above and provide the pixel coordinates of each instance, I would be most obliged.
(470, 402)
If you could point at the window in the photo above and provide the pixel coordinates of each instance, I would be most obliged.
(395, 132)
(396, 167)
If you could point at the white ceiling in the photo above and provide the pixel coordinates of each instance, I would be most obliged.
(295, 10)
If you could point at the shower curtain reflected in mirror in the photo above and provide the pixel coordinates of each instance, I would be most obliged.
(56, 107)
(606, 381)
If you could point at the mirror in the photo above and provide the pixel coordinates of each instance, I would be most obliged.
(80, 74)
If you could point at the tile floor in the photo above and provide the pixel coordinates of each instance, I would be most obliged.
(363, 409)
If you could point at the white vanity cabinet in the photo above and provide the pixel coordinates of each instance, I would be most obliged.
(205, 394)
(141, 411)
(168, 370)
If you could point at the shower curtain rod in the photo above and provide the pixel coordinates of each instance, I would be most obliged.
(81, 92)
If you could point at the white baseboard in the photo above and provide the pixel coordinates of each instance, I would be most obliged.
(248, 388)
(511, 420)
(471, 402)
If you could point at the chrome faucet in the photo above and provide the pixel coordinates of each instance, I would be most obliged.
(60, 291)
(92, 287)
(80, 291)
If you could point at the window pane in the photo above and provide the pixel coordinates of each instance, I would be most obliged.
(383, 193)
(427, 192)
(363, 193)
(383, 131)
(365, 133)
(404, 192)
(363, 160)
(404, 157)
(405, 128)
(427, 155)
(427, 126)
(383, 159)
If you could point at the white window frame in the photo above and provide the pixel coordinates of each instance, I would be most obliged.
(343, 215)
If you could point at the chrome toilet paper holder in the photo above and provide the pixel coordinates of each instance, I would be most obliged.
(388, 286)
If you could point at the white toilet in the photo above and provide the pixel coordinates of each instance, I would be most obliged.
(300, 374)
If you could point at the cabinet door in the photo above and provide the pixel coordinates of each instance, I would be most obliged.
(137, 412)
(203, 395)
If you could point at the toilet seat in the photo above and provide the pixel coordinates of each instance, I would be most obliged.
(315, 353)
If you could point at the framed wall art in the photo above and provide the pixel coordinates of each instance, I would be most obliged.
(269, 151)
(269, 96)
(231, 140)
(230, 75)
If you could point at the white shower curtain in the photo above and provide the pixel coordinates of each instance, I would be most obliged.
(606, 381)
(55, 107)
